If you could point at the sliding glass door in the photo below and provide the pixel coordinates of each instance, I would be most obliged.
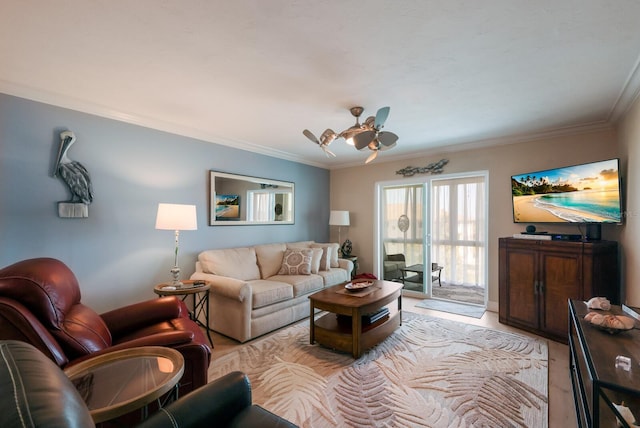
(432, 236)
(402, 230)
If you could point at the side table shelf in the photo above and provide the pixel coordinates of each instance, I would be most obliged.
(200, 295)
(597, 383)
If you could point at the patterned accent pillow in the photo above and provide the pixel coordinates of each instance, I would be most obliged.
(296, 262)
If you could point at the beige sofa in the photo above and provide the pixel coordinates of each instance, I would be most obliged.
(255, 290)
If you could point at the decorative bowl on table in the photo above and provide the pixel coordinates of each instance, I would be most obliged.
(612, 324)
(358, 285)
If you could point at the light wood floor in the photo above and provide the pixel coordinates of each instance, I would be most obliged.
(561, 407)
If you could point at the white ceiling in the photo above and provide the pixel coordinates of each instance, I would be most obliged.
(254, 74)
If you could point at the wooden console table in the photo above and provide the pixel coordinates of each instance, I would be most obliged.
(597, 382)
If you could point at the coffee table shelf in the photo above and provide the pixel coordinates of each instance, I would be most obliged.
(329, 330)
(350, 336)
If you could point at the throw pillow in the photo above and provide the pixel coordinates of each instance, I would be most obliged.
(325, 260)
(334, 252)
(316, 258)
(296, 262)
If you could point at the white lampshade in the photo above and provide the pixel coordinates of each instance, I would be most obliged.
(339, 218)
(176, 217)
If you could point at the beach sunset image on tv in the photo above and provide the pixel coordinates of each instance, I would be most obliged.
(587, 193)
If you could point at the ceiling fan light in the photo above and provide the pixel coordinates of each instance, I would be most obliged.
(349, 141)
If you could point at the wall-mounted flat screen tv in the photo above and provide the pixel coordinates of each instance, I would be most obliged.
(586, 193)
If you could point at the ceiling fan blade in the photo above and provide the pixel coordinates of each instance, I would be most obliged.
(363, 139)
(387, 138)
(383, 147)
(381, 116)
(371, 157)
(328, 152)
(310, 136)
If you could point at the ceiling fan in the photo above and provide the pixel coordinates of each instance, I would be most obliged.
(369, 134)
(373, 137)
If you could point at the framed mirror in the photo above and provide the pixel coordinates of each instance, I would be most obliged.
(241, 199)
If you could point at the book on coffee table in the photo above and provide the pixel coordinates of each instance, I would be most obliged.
(367, 319)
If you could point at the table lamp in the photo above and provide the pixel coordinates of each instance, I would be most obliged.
(176, 217)
(339, 218)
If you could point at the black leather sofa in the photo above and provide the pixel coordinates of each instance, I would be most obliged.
(34, 392)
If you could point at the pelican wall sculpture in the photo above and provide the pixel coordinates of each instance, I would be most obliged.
(76, 177)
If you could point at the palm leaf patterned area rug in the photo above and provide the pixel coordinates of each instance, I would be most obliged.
(430, 372)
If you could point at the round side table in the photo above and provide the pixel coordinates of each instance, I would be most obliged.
(199, 290)
(119, 382)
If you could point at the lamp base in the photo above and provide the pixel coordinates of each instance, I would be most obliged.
(175, 271)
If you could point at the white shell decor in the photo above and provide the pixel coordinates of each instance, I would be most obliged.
(599, 303)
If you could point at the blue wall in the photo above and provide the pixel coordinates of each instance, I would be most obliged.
(116, 253)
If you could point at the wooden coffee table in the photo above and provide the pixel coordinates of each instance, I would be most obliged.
(352, 336)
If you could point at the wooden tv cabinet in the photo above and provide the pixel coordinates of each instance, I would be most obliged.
(537, 277)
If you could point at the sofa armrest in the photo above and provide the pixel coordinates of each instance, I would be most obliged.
(170, 339)
(346, 265)
(122, 321)
(35, 392)
(231, 288)
(215, 404)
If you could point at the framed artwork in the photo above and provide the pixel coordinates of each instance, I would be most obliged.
(227, 207)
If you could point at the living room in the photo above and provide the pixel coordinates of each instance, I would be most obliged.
(118, 255)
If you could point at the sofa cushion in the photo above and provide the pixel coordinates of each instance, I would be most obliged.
(296, 262)
(267, 292)
(302, 284)
(239, 263)
(270, 258)
(333, 276)
(334, 251)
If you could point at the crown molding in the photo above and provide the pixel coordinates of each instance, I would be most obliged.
(628, 94)
(82, 106)
(623, 103)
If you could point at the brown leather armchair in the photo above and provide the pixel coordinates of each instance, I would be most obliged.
(40, 304)
(45, 397)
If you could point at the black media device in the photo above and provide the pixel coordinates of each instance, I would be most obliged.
(565, 237)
